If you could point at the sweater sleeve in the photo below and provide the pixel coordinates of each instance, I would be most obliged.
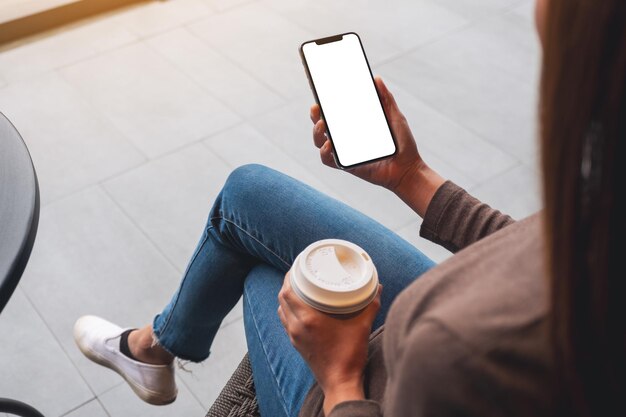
(454, 219)
(429, 378)
(363, 408)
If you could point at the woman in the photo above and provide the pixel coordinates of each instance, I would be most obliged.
(526, 319)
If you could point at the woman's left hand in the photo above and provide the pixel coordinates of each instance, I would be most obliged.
(334, 348)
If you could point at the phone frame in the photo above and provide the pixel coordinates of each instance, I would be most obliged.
(335, 38)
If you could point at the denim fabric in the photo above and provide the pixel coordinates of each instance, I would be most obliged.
(259, 223)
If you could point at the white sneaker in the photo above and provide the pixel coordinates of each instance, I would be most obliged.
(99, 340)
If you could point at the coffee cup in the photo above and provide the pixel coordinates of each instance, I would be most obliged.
(334, 276)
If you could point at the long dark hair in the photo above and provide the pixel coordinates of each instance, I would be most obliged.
(583, 140)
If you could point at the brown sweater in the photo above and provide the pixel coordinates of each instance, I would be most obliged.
(468, 337)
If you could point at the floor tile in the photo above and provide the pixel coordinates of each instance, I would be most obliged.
(121, 401)
(35, 369)
(290, 129)
(473, 9)
(526, 9)
(222, 5)
(239, 90)
(148, 99)
(462, 150)
(244, 145)
(444, 169)
(71, 145)
(265, 44)
(92, 409)
(64, 47)
(411, 233)
(387, 28)
(207, 379)
(170, 198)
(89, 258)
(484, 77)
(159, 16)
(324, 18)
(516, 192)
(409, 23)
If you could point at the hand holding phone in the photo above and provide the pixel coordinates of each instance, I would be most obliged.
(388, 172)
(358, 125)
(343, 86)
(398, 167)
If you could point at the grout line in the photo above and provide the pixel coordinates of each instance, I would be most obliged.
(284, 154)
(68, 195)
(186, 75)
(407, 224)
(228, 60)
(236, 6)
(188, 386)
(476, 21)
(116, 14)
(171, 152)
(139, 228)
(427, 43)
(194, 142)
(78, 406)
(137, 37)
(139, 166)
(111, 388)
(97, 113)
(488, 180)
(103, 407)
(103, 116)
(193, 394)
(86, 58)
(68, 26)
(217, 155)
(235, 63)
(56, 339)
(182, 24)
(398, 54)
(335, 193)
(458, 124)
(91, 55)
(511, 7)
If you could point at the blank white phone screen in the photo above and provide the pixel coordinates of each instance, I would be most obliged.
(347, 95)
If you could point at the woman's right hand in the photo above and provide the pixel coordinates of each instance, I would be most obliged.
(405, 173)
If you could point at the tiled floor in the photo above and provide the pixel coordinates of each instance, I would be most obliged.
(135, 119)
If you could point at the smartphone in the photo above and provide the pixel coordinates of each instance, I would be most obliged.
(342, 83)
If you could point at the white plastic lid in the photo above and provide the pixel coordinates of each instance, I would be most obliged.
(335, 276)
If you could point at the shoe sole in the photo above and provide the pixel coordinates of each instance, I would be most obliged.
(142, 392)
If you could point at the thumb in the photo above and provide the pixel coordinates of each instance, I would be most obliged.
(372, 309)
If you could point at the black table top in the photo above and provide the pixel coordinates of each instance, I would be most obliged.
(19, 208)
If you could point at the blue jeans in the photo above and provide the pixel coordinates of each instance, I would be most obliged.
(259, 223)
